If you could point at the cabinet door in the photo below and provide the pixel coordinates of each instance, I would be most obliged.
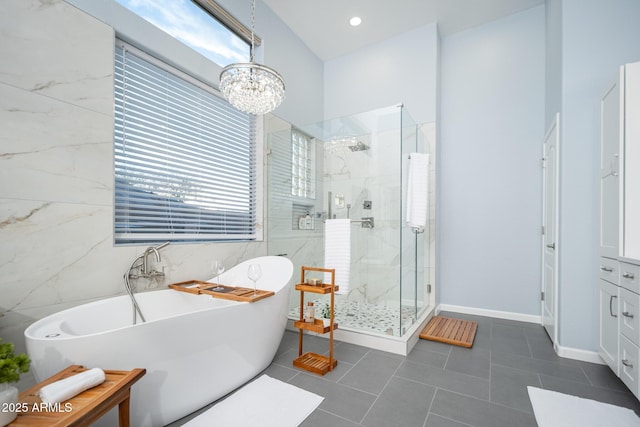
(610, 143)
(631, 173)
(609, 317)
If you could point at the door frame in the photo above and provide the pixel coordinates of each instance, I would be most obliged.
(552, 132)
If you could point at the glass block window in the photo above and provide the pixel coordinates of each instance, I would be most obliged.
(303, 162)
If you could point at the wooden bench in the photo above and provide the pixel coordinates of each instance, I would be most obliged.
(82, 409)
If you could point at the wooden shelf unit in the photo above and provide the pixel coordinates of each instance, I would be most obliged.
(314, 362)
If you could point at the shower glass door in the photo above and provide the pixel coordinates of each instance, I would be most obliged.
(359, 166)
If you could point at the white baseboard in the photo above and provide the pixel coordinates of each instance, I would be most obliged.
(566, 352)
(578, 354)
(529, 318)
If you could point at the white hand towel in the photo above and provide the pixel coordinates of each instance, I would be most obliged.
(65, 389)
(337, 252)
(418, 190)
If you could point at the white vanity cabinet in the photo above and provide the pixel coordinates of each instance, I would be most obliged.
(619, 269)
(609, 327)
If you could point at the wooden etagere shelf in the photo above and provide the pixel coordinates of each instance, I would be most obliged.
(314, 362)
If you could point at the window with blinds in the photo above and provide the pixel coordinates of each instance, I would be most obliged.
(185, 159)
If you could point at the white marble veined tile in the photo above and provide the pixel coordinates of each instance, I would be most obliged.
(55, 253)
(56, 151)
(50, 67)
(51, 252)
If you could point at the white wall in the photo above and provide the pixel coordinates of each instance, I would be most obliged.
(401, 69)
(597, 37)
(553, 60)
(492, 125)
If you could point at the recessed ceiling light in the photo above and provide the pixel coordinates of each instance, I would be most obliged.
(355, 21)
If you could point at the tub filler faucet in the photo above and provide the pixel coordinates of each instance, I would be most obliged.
(145, 263)
(144, 271)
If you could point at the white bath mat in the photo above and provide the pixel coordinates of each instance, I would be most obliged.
(553, 409)
(265, 402)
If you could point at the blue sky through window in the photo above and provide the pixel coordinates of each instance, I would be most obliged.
(187, 22)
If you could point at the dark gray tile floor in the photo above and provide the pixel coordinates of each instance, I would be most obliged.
(439, 385)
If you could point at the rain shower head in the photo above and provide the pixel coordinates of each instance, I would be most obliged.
(360, 146)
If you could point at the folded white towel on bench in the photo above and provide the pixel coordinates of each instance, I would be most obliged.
(67, 388)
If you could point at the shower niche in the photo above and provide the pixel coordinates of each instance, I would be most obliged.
(356, 168)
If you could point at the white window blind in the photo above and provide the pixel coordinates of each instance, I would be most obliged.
(184, 158)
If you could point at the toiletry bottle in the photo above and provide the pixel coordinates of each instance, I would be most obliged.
(302, 223)
(309, 313)
(308, 222)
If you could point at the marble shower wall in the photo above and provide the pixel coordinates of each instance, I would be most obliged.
(56, 170)
(371, 175)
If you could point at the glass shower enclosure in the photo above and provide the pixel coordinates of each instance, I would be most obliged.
(353, 168)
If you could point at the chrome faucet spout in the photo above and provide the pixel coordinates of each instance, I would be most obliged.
(149, 250)
(142, 265)
(145, 262)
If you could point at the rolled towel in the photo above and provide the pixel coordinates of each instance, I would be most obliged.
(65, 389)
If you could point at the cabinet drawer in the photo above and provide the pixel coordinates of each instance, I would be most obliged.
(609, 270)
(629, 353)
(630, 276)
(630, 315)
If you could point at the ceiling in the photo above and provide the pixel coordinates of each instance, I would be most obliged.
(323, 25)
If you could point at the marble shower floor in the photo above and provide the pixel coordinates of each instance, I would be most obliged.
(361, 316)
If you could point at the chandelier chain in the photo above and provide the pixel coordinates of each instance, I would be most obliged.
(253, 23)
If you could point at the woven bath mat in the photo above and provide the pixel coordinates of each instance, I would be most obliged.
(450, 331)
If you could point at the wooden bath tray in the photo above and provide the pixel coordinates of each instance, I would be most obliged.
(234, 293)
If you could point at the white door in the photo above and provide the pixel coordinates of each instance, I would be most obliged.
(549, 229)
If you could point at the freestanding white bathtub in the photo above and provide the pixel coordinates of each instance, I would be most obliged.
(195, 348)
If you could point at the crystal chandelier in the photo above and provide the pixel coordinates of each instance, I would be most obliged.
(250, 87)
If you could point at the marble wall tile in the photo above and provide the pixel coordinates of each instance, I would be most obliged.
(71, 61)
(55, 150)
(50, 252)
